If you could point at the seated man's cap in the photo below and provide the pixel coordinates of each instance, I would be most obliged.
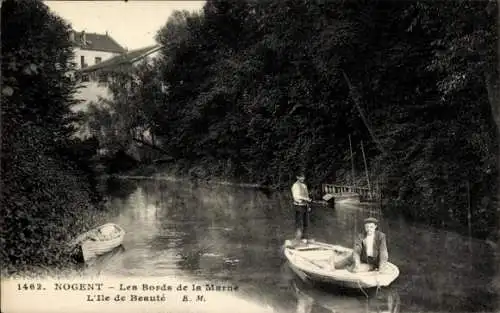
(371, 220)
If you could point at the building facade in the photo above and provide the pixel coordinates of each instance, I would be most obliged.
(99, 75)
(91, 49)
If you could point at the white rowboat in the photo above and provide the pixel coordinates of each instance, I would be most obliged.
(314, 261)
(100, 240)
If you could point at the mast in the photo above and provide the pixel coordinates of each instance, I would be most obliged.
(352, 163)
(366, 171)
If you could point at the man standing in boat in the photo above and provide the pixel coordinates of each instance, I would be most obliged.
(301, 201)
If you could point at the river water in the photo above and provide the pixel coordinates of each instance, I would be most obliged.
(234, 234)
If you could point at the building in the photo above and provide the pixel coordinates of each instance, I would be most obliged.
(99, 75)
(91, 49)
(96, 76)
(123, 61)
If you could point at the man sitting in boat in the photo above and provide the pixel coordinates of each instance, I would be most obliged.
(301, 202)
(370, 250)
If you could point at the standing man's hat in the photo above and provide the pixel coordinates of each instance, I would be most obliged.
(371, 220)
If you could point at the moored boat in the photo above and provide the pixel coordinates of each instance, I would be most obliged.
(313, 260)
(100, 240)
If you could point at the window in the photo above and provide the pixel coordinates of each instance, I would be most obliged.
(85, 78)
(98, 60)
(82, 61)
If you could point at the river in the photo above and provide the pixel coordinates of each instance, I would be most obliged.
(234, 234)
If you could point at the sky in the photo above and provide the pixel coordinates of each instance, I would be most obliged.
(132, 24)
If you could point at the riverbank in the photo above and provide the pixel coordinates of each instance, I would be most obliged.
(45, 205)
(196, 175)
(60, 260)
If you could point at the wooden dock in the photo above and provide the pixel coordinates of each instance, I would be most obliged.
(365, 194)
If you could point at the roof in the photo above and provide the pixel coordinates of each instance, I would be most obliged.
(123, 59)
(97, 42)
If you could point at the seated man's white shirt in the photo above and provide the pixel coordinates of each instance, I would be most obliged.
(369, 245)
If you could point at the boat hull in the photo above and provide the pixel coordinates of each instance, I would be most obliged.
(313, 261)
(92, 249)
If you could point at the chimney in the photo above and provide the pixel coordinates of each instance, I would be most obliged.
(72, 36)
(84, 37)
(107, 35)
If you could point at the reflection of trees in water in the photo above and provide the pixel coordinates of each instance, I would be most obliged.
(102, 262)
(439, 271)
(120, 188)
(215, 228)
(481, 296)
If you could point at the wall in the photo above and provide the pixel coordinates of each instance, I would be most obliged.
(90, 55)
(93, 89)
(90, 90)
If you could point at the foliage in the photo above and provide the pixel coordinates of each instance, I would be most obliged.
(260, 89)
(127, 117)
(45, 196)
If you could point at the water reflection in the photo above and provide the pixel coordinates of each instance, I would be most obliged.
(99, 264)
(235, 234)
(311, 297)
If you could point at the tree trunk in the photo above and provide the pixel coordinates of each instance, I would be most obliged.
(492, 82)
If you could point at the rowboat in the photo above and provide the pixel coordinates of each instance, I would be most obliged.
(313, 260)
(99, 240)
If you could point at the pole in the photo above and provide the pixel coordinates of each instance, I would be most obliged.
(366, 171)
(469, 215)
(355, 96)
(352, 163)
